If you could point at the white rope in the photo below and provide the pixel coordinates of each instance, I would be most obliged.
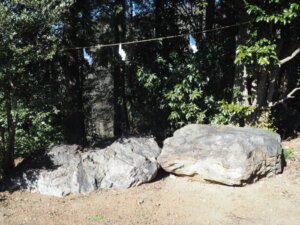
(154, 39)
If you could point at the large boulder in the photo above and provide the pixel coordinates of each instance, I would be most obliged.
(65, 169)
(222, 154)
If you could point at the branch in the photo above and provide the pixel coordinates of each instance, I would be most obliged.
(282, 61)
(290, 95)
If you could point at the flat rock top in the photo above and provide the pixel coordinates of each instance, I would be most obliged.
(201, 130)
(220, 138)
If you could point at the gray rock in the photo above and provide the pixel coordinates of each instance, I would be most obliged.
(222, 154)
(125, 163)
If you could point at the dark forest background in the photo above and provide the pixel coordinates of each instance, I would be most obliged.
(245, 72)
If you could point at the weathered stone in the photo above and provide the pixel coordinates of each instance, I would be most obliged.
(125, 163)
(222, 154)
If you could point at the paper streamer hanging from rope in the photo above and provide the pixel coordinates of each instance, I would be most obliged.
(122, 53)
(193, 45)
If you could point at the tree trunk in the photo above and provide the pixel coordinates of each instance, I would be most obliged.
(121, 122)
(210, 12)
(261, 90)
(240, 91)
(73, 122)
(9, 144)
(158, 10)
(273, 79)
(74, 128)
(227, 62)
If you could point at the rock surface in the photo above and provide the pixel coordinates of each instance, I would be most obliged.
(222, 154)
(66, 169)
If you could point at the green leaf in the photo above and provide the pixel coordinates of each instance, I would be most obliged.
(97, 217)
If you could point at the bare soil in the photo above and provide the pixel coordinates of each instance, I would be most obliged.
(168, 200)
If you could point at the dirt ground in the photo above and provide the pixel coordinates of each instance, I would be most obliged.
(168, 200)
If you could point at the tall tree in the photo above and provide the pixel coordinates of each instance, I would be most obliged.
(28, 37)
(121, 124)
(73, 75)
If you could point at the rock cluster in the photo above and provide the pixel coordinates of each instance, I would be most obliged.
(69, 169)
(215, 153)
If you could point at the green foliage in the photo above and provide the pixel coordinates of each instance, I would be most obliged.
(149, 80)
(36, 129)
(261, 46)
(182, 88)
(118, 9)
(288, 153)
(29, 39)
(29, 31)
(97, 217)
(201, 6)
(241, 114)
(184, 99)
(266, 121)
(282, 13)
(232, 113)
(262, 52)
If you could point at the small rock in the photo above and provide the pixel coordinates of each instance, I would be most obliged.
(141, 201)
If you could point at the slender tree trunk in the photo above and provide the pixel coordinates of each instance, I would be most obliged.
(210, 12)
(74, 127)
(227, 63)
(158, 8)
(2, 142)
(261, 91)
(240, 91)
(121, 122)
(9, 144)
(2, 150)
(73, 122)
(117, 81)
(273, 80)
